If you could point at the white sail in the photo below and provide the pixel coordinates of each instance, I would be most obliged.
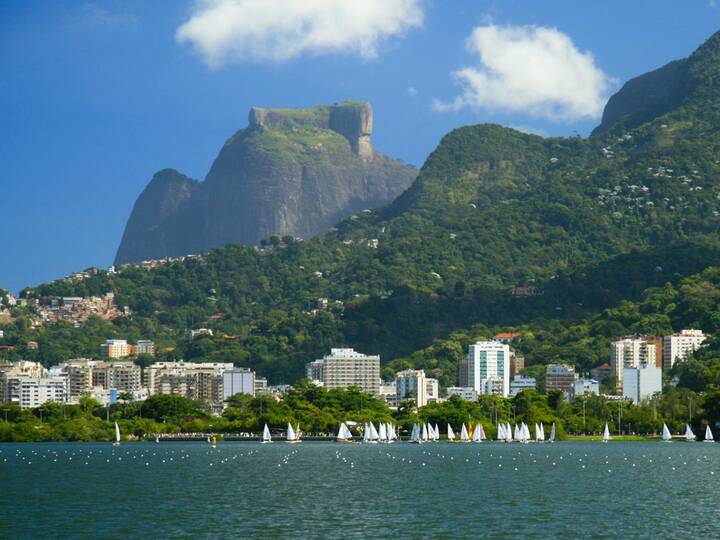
(709, 435)
(552, 433)
(525, 433)
(477, 433)
(290, 435)
(341, 432)
(415, 436)
(482, 435)
(430, 432)
(436, 433)
(451, 433)
(464, 434)
(266, 437)
(117, 433)
(382, 434)
(666, 436)
(374, 436)
(689, 435)
(606, 434)
(517, 433)
(508, 432)
(539, 433)
(500, 432)
(425, 435)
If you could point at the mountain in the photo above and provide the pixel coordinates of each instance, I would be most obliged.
(291, 172)
(500, 229)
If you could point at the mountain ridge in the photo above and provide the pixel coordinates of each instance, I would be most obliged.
(290, 172)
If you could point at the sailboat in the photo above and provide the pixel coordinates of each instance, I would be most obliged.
(291, 437)
(389, 433)
(500, 432)
(464, 437)
(478, 433)
(508, 433)
(117, 435)
(606, 434)
(539, 433)
(709, 435)
(436, 433)
(425, 433)
(157, 439)
(415, 435)
(370, 436)
(552, 433)
(666, 436)
(213, 442)
(266, 437)
(525, 433)
(430, 432)
(451, 434)
(689, 435)
(516, 434)
(382, 433)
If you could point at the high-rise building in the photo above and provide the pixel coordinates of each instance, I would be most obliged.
(432, 389)
(631, 351)
(559, 377)
(238, 381)
(412, 383)
(520, 383)
(22, 368)
(191, 380)
(29, 392)
(145, 346)
(678, 347)
(486, 368)
(641, 383)
(343, 368)
(261, 386)
(115, 348)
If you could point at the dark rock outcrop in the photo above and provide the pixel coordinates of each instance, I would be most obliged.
(290, 172)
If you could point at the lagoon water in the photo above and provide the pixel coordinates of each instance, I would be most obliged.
(328, 490)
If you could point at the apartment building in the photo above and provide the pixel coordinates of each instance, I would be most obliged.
(343, 368)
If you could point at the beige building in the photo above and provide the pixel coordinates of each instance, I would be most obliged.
(560, 377)
(145, 346)
(188, 379)
(29, 392)
(343, 368)
(115, 348)
(86, 376)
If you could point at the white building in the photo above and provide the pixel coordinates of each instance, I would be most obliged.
(642, 382)
(486, 368)
(630, 351)
(411, 383)
(520, 383)
(465, 393)
(585, 387)
(29, 392)
(678, 347)
(388, 393)
(344, 368)
(432, 389)
(238, 381)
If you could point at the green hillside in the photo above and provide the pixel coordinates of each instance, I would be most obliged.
(589, 222)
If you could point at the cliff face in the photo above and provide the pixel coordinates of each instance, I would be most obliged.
(290, 172)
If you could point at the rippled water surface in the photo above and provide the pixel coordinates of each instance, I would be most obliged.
(327, 490)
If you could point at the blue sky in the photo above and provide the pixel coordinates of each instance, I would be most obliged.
(97, 96)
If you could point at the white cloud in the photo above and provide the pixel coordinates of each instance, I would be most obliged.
(530, 69)
(278, 30)
(412, 91)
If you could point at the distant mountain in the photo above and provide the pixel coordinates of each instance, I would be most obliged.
(290, 172)
(581, 223)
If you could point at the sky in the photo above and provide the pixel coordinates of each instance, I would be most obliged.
(95, 97)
